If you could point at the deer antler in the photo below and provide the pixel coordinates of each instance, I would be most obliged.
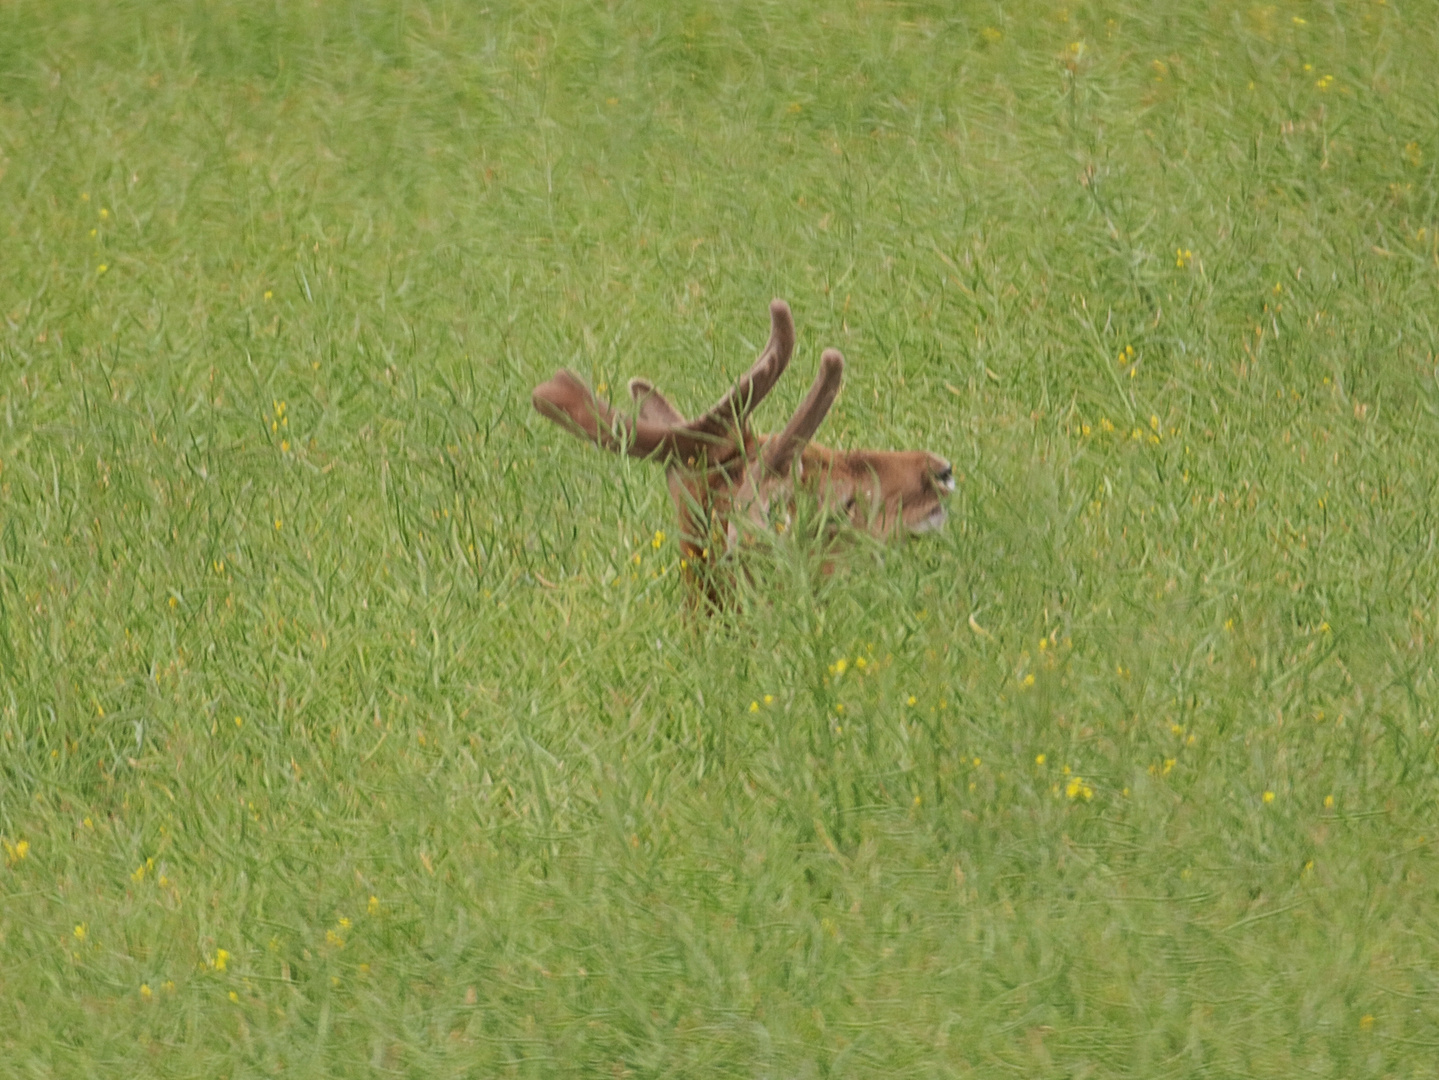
(780, 451)
(731, 412)
(663, 432)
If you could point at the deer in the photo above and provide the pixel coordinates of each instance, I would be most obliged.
(723, 478)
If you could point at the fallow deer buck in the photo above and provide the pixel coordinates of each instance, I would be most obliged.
(721, 474)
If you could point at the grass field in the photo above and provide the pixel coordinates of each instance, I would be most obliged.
(353, 721)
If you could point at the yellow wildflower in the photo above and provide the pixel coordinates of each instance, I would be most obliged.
(145, 992)
(1268, 797)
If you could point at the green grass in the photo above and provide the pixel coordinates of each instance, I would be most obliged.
(351, 724)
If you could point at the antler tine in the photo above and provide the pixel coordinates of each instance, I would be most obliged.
(654, 406)
(567, 401)
(780, 451)
(732, 410)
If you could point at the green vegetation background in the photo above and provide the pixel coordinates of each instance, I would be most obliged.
(352, 721)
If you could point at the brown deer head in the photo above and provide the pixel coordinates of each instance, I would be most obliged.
(722, 476)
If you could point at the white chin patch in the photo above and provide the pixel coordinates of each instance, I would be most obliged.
(932, 523)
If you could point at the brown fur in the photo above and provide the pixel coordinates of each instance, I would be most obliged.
(722, 477)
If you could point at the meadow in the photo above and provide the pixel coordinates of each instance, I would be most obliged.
(353, 718)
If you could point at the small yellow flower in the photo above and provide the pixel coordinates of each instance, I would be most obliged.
(81, 931)
(658, 539)
(1183, 257)
(16, 851)
(1366, 1023)
(976, 763)
(918, 799)
(1029, 679)
(769, 699)
(145, 992)
(279, 524)
(839, 708)
(373, 907)
(840, 666)
(1329, 802)
(102, 268)
(168, 986)
(636, 559)
(1169, 763)
(754, 706)
(344, 923)
(612, 101)
(284, 446)
(861, 663)
(1039, 759)
(992, 34)
(1105, 424)
(1413, 154)
(1268, 797)
(1299, 21)
(334, 940)
(911, 701)
(1077, 789)
(239, 721)
(269, 294)
(222, 958)
(234, 997)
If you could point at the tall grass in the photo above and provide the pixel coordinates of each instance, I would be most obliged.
(352, 718)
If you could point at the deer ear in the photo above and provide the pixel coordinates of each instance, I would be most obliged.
(732, 411)
(780, 451)
(654, 407)
(567, 401)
